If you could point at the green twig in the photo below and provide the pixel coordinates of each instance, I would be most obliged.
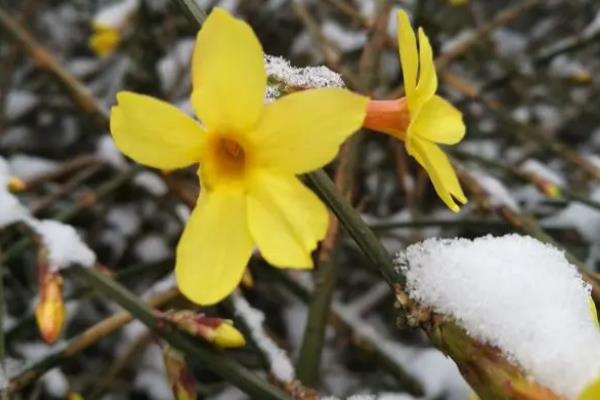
(209, 358)
(356, 227)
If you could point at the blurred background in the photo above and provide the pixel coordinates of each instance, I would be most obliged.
(524, 74)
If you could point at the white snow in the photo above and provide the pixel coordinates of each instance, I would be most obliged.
(583, 218)
(107, 151)
(279, 68)
(63, 243)
(150, 182)
(517, 294)
(499, 194)
(281, 366)
(115, 15)
(342, 38)
(535, 167)
(152, 248)
(173, 67)
(28, 167)
(437, 373)
(19, 103)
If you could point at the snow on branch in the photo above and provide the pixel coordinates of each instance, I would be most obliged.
(63, 243)
(281, 366)
(516, 293)
(288, 78)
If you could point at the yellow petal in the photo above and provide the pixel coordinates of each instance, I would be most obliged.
(591, 391)
(285, 219)
(427, 84)
(409, 58)
(214, 248)
(439, 122)
(440, 171)
(304, 130)
(228, 74)
(155, 133)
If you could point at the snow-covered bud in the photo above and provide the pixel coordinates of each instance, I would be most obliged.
(217, 331)
(181, 378)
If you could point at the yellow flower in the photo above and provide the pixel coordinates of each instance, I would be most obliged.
(104, 40)
(249, 154)
(422, 119)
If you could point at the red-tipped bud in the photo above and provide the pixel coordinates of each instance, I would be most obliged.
(182, 380)
(388, 116)
(217, 331)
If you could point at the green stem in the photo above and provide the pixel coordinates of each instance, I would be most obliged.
(325, 277)
(356, 227)
(212, 359)
(192, 10)
(361, 343)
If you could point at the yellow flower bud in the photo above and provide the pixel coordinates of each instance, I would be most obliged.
(226, 336)
(247, 279)
(50, 311)
(104, 40)
(182, 380)
(217, 331)
(16, 184)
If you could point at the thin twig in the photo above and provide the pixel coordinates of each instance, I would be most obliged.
(84, 340)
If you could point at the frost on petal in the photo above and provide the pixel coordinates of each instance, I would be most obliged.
(517, 294)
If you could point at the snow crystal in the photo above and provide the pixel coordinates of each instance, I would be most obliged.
(281, 366)
(499, 194)
(63, 243)
(279, 69)
(515, 293)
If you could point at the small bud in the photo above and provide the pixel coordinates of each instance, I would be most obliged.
(545, 186)
(217, 331)
(16, 184)
(247, 279)
(388, 116)
(104, 40)
(50, 311)
(226, 336)
(74, 396)
(182, 380)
